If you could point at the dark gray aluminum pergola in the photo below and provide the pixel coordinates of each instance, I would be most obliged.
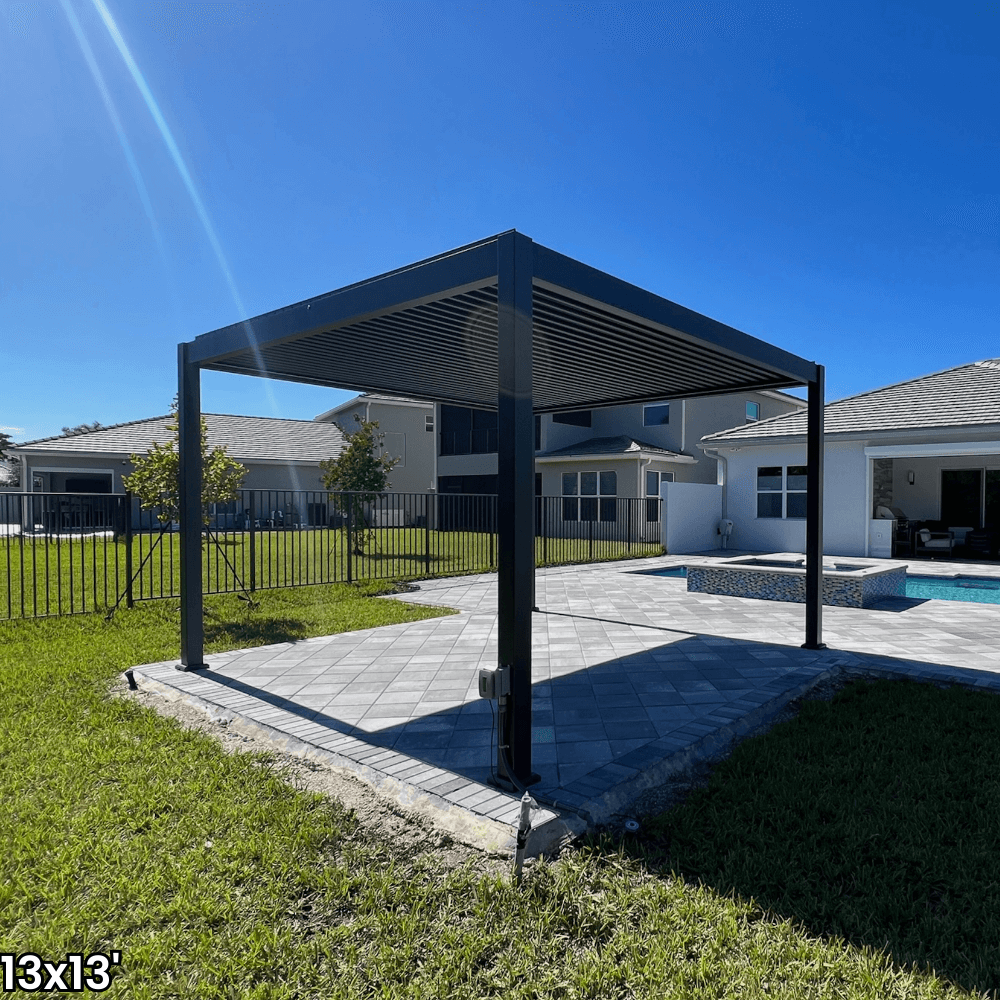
(503, 323)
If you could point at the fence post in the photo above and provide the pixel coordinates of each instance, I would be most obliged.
(545, 531)
(286, 527)
(427, 537)
(350, 536)
(251, 521)
(129, 602)
(590, 541)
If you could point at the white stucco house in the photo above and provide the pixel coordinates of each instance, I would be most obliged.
(925, 452)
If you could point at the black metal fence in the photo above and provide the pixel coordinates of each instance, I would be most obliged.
(63, 554)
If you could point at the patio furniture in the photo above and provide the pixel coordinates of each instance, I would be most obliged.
(933, 541)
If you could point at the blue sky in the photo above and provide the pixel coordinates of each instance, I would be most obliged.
(821, 176)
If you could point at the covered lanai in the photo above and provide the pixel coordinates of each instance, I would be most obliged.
(510, 324)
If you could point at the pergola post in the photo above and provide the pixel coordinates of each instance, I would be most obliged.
(189, 490)
(814, 513)
(515, 501)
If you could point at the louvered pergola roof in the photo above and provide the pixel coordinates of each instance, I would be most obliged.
(429, 331)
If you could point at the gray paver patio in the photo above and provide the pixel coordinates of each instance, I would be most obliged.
(631, 676)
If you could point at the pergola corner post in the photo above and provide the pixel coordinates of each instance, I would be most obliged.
(814, 512)
(516, 502)
(189, 495)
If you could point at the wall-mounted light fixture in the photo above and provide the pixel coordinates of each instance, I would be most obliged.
(910, 477)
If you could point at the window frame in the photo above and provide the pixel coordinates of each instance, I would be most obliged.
(656, 406)
(652, 507)
(784, 491)
(595, 502)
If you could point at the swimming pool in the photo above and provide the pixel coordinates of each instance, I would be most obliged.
(977, 589)
(980, 589)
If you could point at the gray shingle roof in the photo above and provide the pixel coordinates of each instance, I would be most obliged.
(966, 396)
(621, 444)
(247, 438)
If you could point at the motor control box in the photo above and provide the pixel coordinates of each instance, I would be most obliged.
(494, 683)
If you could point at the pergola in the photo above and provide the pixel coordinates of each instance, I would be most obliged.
(504, 323)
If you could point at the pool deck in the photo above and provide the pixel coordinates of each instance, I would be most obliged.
(634, 679)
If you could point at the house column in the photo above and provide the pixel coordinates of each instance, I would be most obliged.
(189, 497)
(515, 503)
(814, 513)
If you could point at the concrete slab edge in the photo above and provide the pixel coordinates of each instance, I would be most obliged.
(551, 828)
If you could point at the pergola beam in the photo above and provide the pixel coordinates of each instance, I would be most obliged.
(449, 274)
(591, 285)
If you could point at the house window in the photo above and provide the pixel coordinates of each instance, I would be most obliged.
(653, 482)
(753, 412)
(589, 496)
(578, 418)
(465, 431)
(656, 415)
(429, 423)
(538, 432)
(795, 491)
(781, 492)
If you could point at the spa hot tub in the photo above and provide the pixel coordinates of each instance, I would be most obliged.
(846, 583)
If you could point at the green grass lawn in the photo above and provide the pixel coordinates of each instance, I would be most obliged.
(215, 878)
(56, 575)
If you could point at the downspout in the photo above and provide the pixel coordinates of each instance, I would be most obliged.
(683, 423)
(641, 465)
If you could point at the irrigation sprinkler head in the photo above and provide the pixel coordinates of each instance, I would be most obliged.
(632, 826)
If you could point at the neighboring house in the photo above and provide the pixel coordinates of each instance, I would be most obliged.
(278, 454)
(408, 426)
(927, 449)
(632, 449)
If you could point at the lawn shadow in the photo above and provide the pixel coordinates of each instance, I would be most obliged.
(871, 818)
(257, 632)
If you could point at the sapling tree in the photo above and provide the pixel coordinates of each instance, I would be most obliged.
(358, 476)
(155, 480)
(10, 466)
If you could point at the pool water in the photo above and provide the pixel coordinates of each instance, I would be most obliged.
(981, 589)
(978, 589)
